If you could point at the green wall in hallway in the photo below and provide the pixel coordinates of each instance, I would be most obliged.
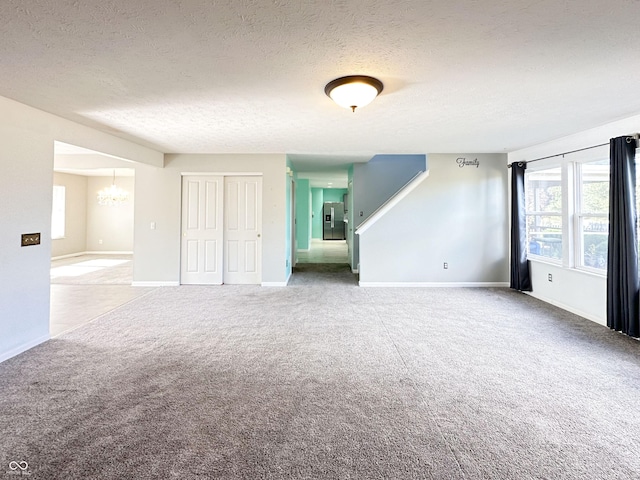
(334, 194)
(318, 197)
(303, 214)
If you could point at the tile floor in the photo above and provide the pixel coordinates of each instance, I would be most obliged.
(325, 251)
(74, 303)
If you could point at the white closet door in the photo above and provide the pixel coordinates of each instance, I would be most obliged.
(202, 230)
(243, 230)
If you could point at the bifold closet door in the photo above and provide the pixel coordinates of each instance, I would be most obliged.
(243, 230)
(202, 246)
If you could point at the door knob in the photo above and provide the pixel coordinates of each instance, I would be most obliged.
(258, 235)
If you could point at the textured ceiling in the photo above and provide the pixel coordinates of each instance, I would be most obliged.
(247, 76)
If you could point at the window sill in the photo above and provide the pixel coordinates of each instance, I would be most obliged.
(546, 261)
(582, 271)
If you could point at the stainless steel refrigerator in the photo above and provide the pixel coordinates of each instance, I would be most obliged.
(333, 221)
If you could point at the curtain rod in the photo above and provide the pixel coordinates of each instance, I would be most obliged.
(629, 137)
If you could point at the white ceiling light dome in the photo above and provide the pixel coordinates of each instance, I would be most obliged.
(353, 91)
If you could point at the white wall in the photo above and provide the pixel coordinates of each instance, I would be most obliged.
(582, 293)
(75, 236)
(109, 228)
(26, 181)
(157, 252)
(457, 215)
(577, 291)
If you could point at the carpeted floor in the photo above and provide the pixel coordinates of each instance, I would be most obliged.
(323, 274)
(326, 382)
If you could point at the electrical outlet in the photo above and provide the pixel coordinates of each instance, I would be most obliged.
(550, 277)
(29, 239)
(446, 265)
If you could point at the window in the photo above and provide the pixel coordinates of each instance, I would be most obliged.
(543, 193)
(592, 214)
(58, 212)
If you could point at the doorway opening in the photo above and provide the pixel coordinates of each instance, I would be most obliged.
(92, 236)
(322, 228)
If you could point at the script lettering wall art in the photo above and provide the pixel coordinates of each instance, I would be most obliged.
(463, 162)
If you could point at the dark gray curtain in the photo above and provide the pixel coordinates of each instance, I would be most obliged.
(623, 286)
(520, 277)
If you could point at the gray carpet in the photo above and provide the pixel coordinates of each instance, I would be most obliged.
(323, 274)
(326, 382)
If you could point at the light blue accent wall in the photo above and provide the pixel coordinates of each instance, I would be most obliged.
(317, 200)
(303, 214)
(334, 194)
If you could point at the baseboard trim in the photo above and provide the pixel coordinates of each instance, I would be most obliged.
(573, 310)
(107, 253)
(69, 255)
(434, 284)
(23, 348)
(155, 284)
(275, 284)
(79, 254)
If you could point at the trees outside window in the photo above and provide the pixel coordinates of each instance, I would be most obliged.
(592, 214)
(543, 190)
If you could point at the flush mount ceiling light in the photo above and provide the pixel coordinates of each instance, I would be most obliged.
(353, 91)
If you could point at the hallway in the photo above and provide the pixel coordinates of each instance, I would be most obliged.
(325, 251)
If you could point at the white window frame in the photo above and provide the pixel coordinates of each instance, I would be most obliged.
(570, 165)
(561, 214)
(579, 215)
(58, 212)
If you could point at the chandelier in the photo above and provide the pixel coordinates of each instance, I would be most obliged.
(112, 196)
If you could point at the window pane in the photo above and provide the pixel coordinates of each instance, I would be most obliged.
(58, 212)
(544, 235)
(592, 211)
(595, 187)
(543, 190)
(543, 193)
(595, 233)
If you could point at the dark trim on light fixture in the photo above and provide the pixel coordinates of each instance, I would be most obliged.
(374, 82)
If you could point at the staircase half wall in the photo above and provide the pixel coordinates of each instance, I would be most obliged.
(375, 182)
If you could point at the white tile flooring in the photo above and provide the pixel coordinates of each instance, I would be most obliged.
(325, 251)
(76, 304)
